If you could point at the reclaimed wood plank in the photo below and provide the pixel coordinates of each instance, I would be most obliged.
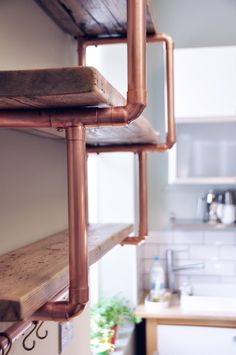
(92, 18)
(139, 131)
(32, 275)
(54, 88)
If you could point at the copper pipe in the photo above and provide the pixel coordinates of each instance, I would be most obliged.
(143, 203)
(86, 42)
(136, 13)
(87, 190)
(14, 332)
(169, 63)
(81, 52)
(18, 328)
(134, 148)
(136, 97)
(78, 262)
(170, 136)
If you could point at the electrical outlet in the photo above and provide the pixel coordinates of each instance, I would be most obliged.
(66, 333)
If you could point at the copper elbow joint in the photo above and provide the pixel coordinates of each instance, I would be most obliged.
(58, 311)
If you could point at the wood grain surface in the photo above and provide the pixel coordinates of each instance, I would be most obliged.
(60, 87)
(92, 18)
(34, 274)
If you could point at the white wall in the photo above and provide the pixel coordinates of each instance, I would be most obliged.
(33, 170)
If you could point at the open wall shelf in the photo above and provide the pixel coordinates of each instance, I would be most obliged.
(34, 274)
(69, 89)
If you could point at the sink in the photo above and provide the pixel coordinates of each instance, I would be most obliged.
(210, 298)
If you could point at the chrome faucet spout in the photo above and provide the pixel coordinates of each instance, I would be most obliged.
(171, 269)
(199, 265)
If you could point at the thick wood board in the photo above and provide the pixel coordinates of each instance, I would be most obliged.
(92, 18)
(139, 131)
(55, 88)
(34, 274)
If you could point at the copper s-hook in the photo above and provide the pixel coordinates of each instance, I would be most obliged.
(29, 348)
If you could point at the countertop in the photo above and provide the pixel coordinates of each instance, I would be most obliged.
(175, 315)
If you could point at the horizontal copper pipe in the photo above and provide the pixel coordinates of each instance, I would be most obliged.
(83, 43)
(134, 148)
(78, 259)
(18, 328)
(68, 117)
(143, 203)
(13, 332)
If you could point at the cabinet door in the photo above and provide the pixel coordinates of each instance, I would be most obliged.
(205, 82)
(186, 340)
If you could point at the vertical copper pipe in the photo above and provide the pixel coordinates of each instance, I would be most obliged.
(81, 52)
(143, 203)
(78, 259)
(169, 64)
(76, 157)
(136, 14)
(143, 200)
(87, 189)
(136, 39)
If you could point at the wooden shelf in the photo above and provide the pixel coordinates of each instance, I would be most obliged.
(34, 274)
(55, 88)
(139, 131)
(71, 87)
(89, 18)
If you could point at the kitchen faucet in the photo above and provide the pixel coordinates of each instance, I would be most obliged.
(170, 269)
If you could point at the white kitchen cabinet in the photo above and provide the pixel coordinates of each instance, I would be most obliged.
(204, 153)
(205, 110)
(186, 340)
(205, 82)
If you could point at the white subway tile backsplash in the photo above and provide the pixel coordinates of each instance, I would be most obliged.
(219, 238)
(204, 279)
(204, 252)
(228, 279)
(147, 264)
(234, 237)
(160, 237)
(220, 268)
(150, 250)
(228, 252)
(181, 251)
(188, 237)
(216, 249)
(146, 281)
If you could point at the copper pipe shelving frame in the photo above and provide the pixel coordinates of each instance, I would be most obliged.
(74, 121)
(169, 63)
(140, 149)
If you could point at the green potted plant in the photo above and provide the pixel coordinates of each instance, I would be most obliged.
(107, 315)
